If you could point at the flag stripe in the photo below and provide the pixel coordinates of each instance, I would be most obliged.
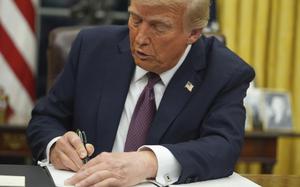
(17, 63)
(19, 31)
(27, 10)
(18, 45)
(19, 100)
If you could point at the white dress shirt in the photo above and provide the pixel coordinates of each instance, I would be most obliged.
(168, 167)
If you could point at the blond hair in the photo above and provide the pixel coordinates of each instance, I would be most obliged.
(197, 11)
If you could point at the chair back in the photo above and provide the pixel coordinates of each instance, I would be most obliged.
(60, 41)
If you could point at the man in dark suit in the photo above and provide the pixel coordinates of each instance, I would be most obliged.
(105, 89)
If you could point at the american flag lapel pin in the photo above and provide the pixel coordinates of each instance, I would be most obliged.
(189, 86)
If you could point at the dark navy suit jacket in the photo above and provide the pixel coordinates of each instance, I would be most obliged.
(203, 128)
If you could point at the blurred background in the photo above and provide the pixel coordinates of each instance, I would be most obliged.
(265, 33)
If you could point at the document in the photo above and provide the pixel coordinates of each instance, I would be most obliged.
(7, 180)
(58, 176)
(235, 180)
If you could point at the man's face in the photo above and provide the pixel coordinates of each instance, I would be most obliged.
(157, 36)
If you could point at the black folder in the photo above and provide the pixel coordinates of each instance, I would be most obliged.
(35, 176)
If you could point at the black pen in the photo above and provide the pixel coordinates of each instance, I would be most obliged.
(83, 139)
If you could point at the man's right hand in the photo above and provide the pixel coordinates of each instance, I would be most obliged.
(68, 151)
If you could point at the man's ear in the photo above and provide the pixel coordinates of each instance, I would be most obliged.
(194, 35)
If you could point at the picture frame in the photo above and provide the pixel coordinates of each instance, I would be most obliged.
(276, 111)
(252, 103)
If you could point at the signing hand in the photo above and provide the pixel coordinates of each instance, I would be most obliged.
(116, 169)
(67, 153)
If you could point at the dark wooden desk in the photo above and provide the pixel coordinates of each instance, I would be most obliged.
(261, 147)
(275, 180)
(35, 176)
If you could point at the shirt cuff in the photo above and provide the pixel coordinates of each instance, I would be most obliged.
(47, 160)
(169, 169)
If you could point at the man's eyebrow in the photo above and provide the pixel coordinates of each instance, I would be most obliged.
(161, 21)
(133, 13)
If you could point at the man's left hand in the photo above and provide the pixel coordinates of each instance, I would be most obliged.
(116, 169)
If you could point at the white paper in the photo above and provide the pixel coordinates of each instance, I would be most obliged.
(7, 180)
(59, 176)
(235, 180)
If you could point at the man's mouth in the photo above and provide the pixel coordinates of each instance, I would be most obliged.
(141, 55)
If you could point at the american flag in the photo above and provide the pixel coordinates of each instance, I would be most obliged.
(18, 43)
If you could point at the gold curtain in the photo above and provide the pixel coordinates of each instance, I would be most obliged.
(266, 34)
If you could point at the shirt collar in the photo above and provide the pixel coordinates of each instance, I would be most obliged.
(165, 76)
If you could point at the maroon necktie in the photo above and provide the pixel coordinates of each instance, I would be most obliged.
(143, 115)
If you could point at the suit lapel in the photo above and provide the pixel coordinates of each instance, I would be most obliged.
(177, 94)
(115, 91)
(113, 96)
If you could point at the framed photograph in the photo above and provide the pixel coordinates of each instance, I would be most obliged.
(276, 110)
(252, 104)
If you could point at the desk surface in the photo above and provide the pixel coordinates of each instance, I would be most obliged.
(275, 180)
(271, 134)
(35, 176)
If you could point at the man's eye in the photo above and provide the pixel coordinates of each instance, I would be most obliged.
(135, 21)
(160, 27)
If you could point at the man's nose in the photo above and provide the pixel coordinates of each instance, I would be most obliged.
(142, 37)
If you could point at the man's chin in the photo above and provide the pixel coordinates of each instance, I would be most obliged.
(145, 65)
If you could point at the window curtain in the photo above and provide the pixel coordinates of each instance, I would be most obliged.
(266, 34)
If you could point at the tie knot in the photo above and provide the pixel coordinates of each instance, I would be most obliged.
(153, 78)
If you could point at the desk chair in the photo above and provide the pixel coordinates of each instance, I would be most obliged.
(60, 41)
